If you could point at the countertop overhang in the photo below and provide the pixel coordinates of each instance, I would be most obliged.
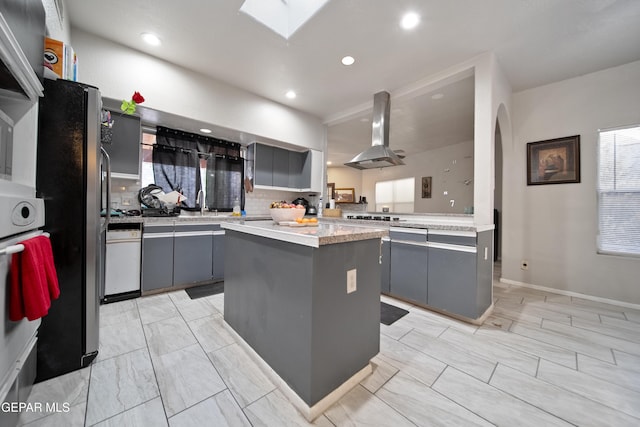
(444, 223)
(322, 234)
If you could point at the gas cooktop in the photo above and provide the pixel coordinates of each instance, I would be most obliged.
(372, 218)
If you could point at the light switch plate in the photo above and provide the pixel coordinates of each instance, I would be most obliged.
(351, 281)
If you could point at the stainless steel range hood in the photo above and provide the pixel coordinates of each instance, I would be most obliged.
(379, 155)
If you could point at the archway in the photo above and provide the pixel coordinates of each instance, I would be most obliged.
(503, 142)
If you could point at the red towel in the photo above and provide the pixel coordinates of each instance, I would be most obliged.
(34, 281)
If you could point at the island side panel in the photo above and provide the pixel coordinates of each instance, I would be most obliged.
(267, 301)
(346, 326)
(485, 271)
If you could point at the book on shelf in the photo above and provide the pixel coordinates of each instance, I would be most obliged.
(61, 59)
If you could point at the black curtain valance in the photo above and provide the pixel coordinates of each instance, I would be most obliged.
(203, 145)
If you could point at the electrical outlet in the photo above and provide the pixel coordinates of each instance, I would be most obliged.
(351, 281)
(524, 264)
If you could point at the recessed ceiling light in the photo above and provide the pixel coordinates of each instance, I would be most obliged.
(205, 130)
(437, 96)
(151, 39)
(348, 60)
(290, 94)
(410, 20)
(329, 162)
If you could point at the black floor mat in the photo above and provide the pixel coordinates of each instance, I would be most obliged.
(205, 290)
(390, 313)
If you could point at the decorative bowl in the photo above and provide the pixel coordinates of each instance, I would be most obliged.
(283, 214)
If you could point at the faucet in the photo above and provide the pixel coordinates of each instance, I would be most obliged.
(201, 200)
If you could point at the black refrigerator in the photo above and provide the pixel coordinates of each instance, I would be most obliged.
(70, 177)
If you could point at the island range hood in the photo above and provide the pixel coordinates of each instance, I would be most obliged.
(379, 155)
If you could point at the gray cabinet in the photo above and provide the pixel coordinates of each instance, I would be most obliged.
(299, 169)
(192, 254)
(218, 253)
(452, 279)
(449, 270)
(124, 148)
(157, 257)
(409, 267)
(263, 161)
(385, 265)
(460, 272)
(279, 167)
(181, 255)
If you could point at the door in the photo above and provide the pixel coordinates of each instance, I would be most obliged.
(452, 279)
(193, 254)
(157, 257)
(408, 277)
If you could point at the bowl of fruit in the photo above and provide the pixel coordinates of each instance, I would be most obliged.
(285, 212)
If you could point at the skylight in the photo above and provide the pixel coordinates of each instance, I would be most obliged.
(284, 17)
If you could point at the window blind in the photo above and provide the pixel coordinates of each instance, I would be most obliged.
(619, 191)
(397, 195)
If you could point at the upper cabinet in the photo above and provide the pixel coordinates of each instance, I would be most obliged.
(282, 169)
(22, 30)
(123, 146)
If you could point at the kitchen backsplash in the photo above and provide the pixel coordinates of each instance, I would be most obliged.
(258, 201)
(124, 195)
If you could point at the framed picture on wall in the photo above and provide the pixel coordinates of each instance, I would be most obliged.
(426, 187)
(554, 161)
(345, 195)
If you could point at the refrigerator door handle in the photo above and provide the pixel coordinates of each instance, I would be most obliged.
(107, 163)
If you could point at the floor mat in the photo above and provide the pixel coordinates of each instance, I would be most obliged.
(205, 290)
(390, 313)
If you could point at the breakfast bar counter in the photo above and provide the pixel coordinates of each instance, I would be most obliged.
(306, 300)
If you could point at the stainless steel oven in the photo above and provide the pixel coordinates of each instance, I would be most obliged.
(20, 219)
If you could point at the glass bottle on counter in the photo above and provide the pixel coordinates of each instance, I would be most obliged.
(236, 208)
(319, 214)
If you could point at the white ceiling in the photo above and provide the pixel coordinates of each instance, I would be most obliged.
(536, 42)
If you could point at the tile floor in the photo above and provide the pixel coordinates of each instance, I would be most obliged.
(541, 359)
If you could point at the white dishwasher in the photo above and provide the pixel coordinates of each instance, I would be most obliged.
(123, 260)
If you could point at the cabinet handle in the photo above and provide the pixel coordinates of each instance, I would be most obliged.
(449, 247)
(409, 243)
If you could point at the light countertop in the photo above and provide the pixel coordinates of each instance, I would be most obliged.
(325, 233)
(451, 223)
(190, 219)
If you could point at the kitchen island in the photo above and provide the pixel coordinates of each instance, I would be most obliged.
(306, 300)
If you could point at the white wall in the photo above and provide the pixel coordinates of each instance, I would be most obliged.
(346, 177)
(554, 227)
(119, 71)
(457, 159)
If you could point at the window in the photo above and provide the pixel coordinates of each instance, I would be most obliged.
(147, 178)
(185, 162)
(397, 195)
(619, 191)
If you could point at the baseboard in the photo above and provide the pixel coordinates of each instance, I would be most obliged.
(309, 412)
(571, 294)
